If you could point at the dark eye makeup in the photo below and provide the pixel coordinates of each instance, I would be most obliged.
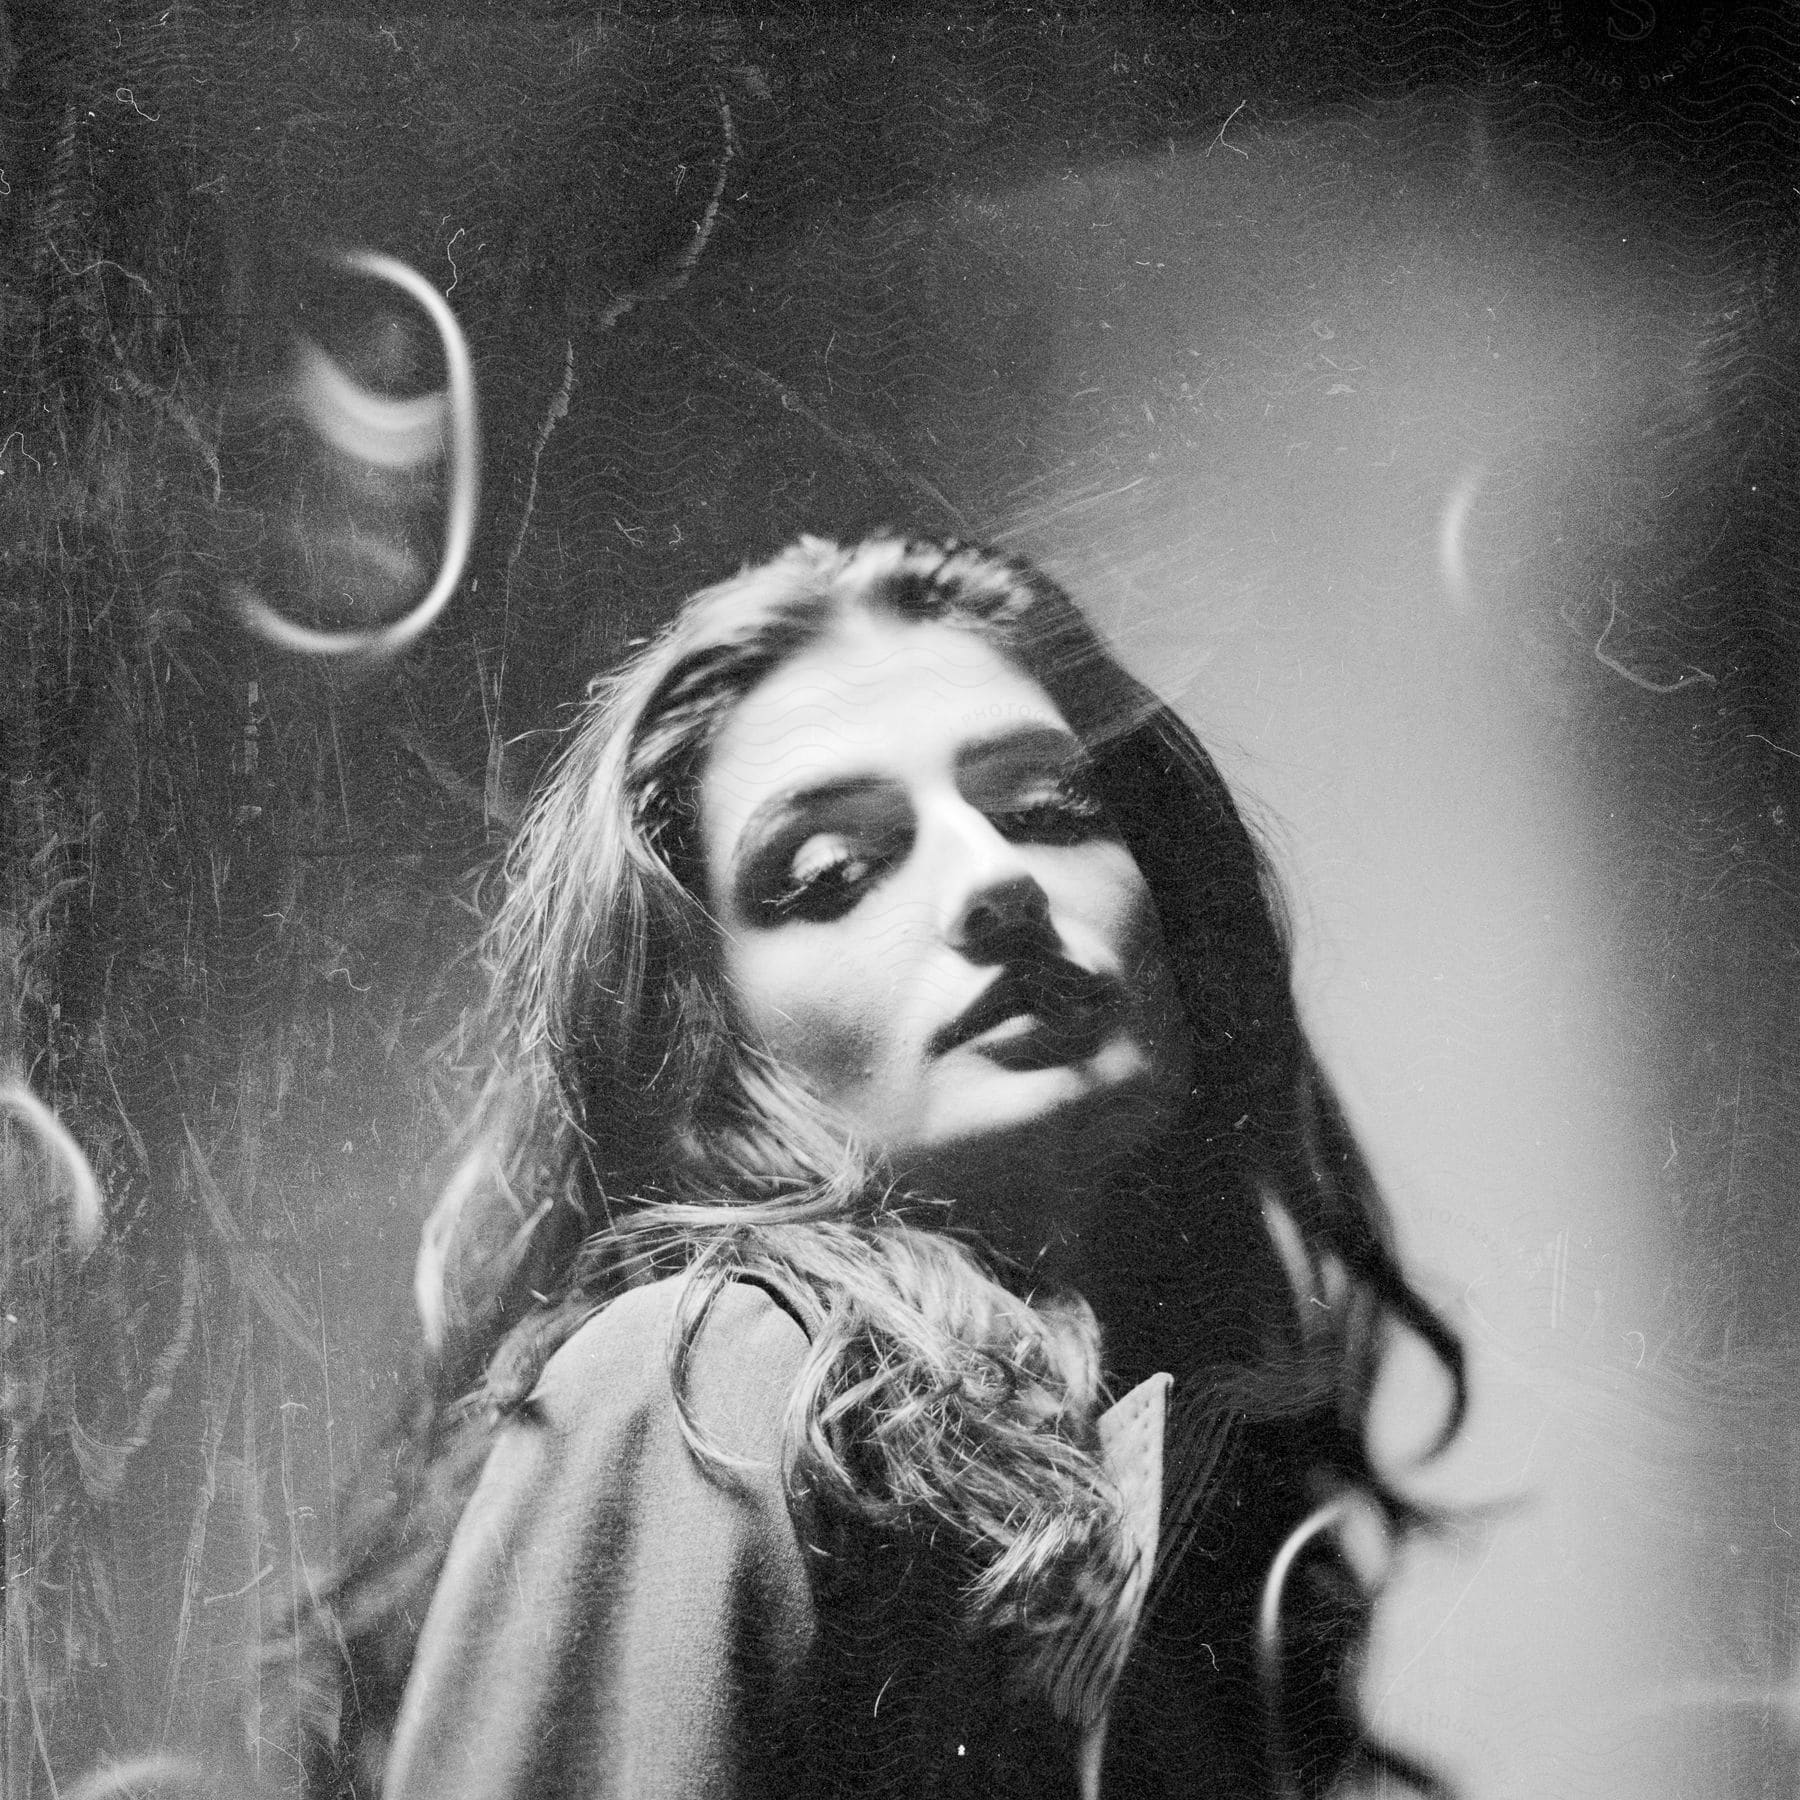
(823, 872)
(826, 875)
(1066, 810)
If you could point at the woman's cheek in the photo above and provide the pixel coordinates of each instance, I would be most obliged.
(820, 1024)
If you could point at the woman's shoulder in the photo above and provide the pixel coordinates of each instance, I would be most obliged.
(747, 1350)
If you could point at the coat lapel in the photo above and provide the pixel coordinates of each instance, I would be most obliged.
(1131, 1443)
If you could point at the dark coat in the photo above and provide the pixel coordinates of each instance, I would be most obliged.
(614, 1619)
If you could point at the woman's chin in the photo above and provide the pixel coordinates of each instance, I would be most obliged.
(1032, 1129)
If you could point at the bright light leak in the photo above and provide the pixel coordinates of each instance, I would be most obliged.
(135, 1779)
(432, 1293)
(81, 1190)
(1268, 1623)
(1453, 560)
(390, 434)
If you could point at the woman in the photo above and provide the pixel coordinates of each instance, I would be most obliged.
(912, 1292)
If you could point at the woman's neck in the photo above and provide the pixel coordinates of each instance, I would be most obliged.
(1172, 1256)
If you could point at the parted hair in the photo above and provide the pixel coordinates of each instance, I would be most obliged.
(629, 1128)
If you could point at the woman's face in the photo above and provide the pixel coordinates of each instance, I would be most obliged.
(931, 920)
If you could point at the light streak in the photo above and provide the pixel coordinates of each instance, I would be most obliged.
(82, 1190)
(1268, 1627)
(131, 1780)
(1453, 559)
(390, 434)
(432, 1275)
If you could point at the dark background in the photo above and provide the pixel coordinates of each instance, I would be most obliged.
(729, 275)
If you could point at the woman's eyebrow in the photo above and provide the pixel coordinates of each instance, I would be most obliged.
(770, 814)
(1010, 743)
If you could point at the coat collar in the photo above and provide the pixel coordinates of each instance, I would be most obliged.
(1086, 1673)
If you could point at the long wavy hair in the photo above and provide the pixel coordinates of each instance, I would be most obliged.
(629, 1128)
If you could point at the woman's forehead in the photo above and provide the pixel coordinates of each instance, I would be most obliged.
(875, 698)
(877, 687)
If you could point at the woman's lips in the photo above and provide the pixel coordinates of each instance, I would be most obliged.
(1042, 1013)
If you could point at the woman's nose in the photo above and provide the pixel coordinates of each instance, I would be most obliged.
(993, 900)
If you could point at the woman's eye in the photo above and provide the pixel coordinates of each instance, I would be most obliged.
(1068, 812)
(822, 878)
